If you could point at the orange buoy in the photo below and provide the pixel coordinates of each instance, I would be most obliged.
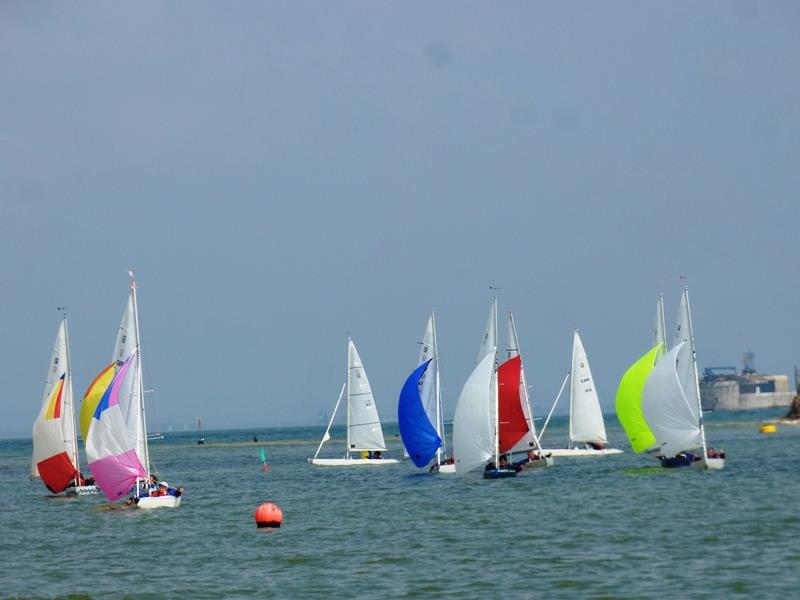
(269, 515)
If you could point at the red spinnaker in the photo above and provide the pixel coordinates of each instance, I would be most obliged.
(57, 472)
(512, 420)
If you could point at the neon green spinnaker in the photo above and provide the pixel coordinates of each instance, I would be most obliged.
(263, 456)
(629, 400)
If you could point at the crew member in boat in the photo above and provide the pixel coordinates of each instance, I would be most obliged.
(597, 446)
(504, 464)
(376, 455)
(711, 453)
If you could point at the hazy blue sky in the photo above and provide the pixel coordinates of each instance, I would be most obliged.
(281, 173)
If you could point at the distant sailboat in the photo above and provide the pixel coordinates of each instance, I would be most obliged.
(55, 445)
(200, 439)
(419, 411)
(364, 433)
(113, 421)
(476, 441)
(587, 431)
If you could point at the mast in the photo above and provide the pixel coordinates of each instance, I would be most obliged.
(347, 382)
(494, 383)
(141, 427)
(696, 380)
(439, 416)
(571, 391)
(73, 435)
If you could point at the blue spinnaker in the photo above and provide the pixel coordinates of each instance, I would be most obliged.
(419, 436)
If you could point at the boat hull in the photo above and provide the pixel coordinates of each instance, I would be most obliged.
(581, 452)
(82, 490)
(540, 463)
(151, 502)
(352, 462)
(712, 464)
(499, 473)
(451, 468)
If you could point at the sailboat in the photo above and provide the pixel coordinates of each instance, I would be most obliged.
(671, 400)
(113, 421)
(364, 433)
(55, 445)
(419, 410)
(658, 400)
(476, 440)
(517, 430)
(587, 430)
(200, 438)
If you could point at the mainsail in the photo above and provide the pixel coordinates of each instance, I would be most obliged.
(585, 417)
(131, 392)
(629, 401)
(55, 453)
(363, 424)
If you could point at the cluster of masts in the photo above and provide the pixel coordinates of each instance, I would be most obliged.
(658, 404)
(112, 423)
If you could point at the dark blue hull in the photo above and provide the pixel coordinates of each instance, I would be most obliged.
(499, 473)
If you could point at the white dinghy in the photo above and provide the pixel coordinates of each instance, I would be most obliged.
(587, 431)
(364, 432)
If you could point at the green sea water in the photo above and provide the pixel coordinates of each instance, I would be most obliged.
(616, 527)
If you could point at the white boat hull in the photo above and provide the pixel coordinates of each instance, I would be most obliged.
(151, 502)
(82, 490)
(352, 462)
(448, 468)
(538, 464)
(711, 464)
(581, 452)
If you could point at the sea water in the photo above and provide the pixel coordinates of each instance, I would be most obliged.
(617, 526)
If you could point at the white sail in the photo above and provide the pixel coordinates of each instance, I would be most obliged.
(363, 424)
(529, 440)
(54, 428)
(473, 424)
(428, 383)
(130, 394)
(672, 415)
(585, 417)
(489, 341)
(660, 329)
(683, 332)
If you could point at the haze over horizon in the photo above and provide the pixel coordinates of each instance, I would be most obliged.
(280, 174)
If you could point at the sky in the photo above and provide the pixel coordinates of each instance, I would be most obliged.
(282, 173)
